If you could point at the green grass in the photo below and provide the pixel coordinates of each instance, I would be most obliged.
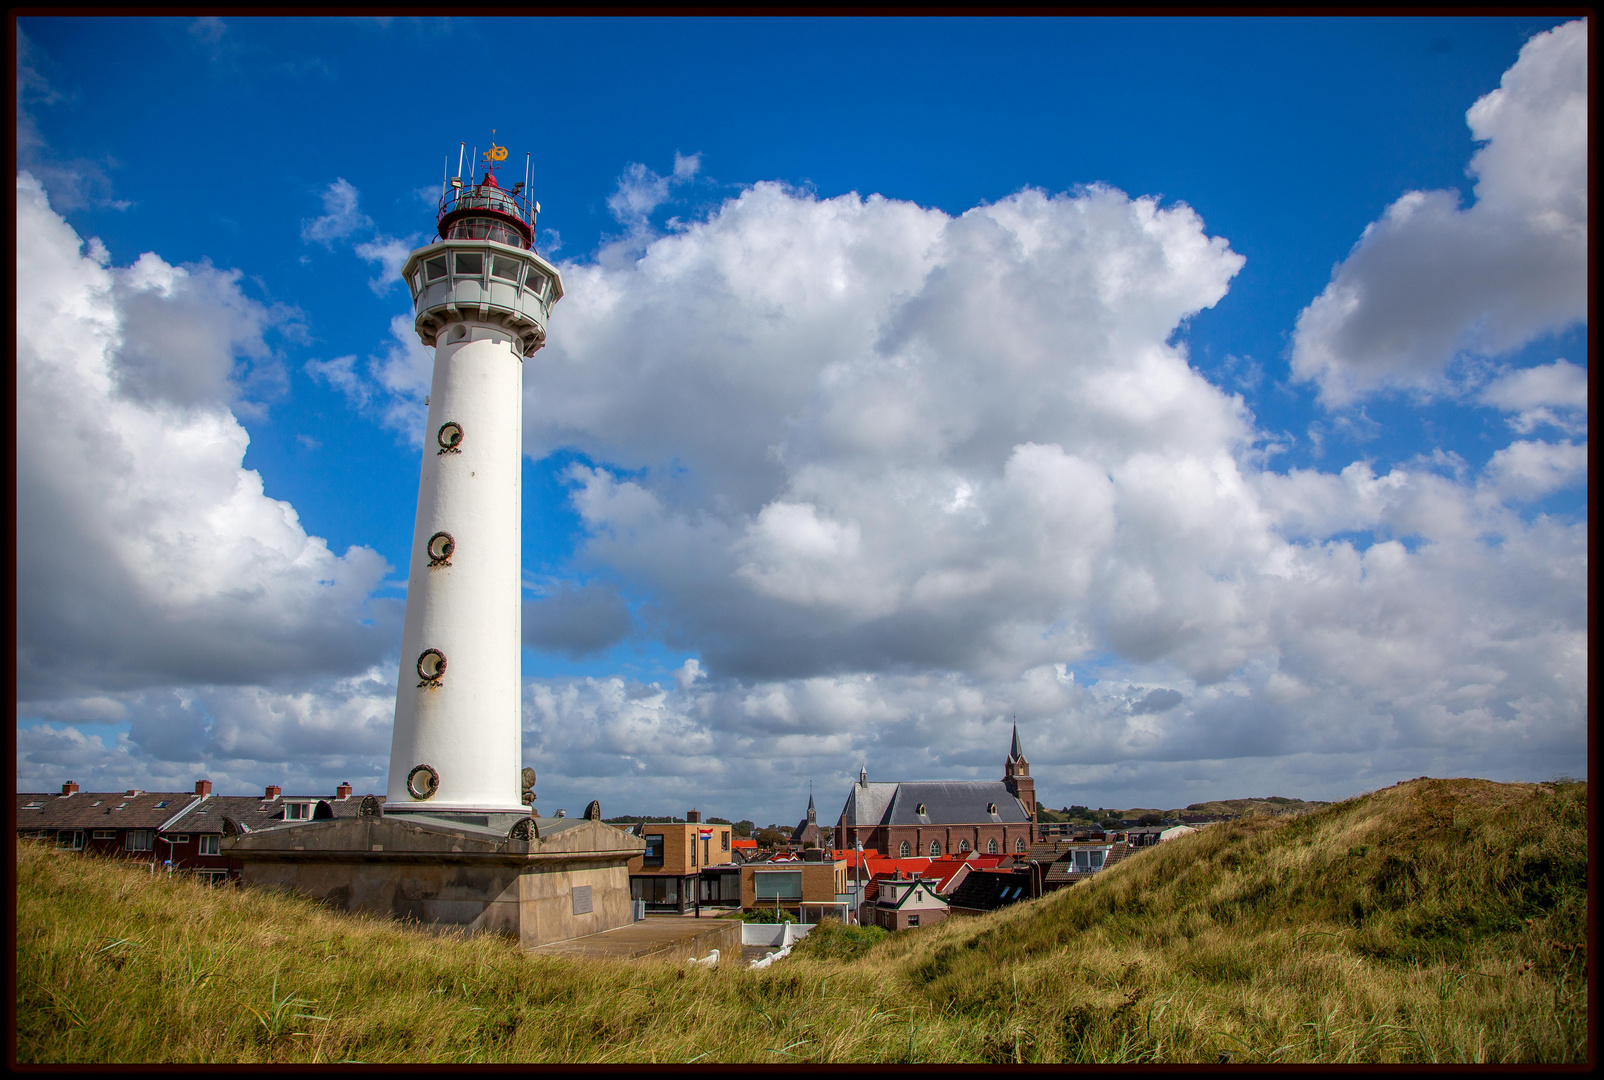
(1434, 921)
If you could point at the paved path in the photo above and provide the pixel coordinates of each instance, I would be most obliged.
(667, 938)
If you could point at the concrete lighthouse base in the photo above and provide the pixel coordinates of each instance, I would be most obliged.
(551, 879)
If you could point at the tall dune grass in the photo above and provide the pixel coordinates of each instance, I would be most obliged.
(1434, 921)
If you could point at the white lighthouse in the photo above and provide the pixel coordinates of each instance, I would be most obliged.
(481, 297)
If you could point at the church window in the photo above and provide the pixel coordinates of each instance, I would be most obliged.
(1019, 845)
(963, 845)
(903, 850)
(991, 846)
(935, 849)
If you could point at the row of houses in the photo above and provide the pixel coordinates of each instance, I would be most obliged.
(173, 830)
(921, 849)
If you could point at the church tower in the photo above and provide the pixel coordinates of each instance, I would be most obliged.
(1016, 775)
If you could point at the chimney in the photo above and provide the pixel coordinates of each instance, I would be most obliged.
(203, 787)
(70, 787)
(131, 793)
(273, 792)
(693, 817)
(343, 791)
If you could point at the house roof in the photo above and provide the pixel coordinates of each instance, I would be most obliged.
(988, 890)
(101, 810)
(806, 831)
(258, 812)
(867, 803)
(1063, 872)
(922, 890)
(946, 802)
(954, 802)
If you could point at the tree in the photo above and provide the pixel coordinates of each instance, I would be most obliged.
(772, 838)
(1111, 823)
(1150, 819)
(743, 829)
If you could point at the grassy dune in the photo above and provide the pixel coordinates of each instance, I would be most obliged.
(1439, 920)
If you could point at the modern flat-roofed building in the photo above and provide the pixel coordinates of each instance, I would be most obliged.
(810, 888)
(669, 874)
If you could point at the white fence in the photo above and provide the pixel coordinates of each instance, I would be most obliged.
(774, 935)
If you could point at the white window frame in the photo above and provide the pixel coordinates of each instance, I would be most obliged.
(209, 844)
(903, 850)
(103, 834)
(134, 836)
(74, 838)
(297, 811)
(991, 846)
(177, 838)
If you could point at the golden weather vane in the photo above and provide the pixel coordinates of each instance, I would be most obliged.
(496, 154)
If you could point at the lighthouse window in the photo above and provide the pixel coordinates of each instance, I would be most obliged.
(503, 267)
(536, 284)
(470, 263)
(435, 268)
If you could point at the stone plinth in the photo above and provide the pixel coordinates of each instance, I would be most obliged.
(457, 875)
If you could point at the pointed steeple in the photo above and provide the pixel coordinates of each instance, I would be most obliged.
(1015, 753)
(812, 813)
(863, 774)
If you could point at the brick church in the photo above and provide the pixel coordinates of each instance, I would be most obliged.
(942, 817)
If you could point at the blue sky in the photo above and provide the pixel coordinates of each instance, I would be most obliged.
(696, 175)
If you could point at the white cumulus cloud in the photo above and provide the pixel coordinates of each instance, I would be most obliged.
(148, 555)
(1432, 279)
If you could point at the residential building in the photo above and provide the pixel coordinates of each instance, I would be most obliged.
(987, 890)
(1060, 863)
(667, 876)
(177, 831)
(906, 904)
(1148, 835)
(936, 818)
(124, 825)
(810, 887)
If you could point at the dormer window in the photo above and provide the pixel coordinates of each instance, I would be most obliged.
(297, 811)
(991, 808)
(920, 810)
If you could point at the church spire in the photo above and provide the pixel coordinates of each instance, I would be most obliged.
(812, 813)
(1015, 753)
